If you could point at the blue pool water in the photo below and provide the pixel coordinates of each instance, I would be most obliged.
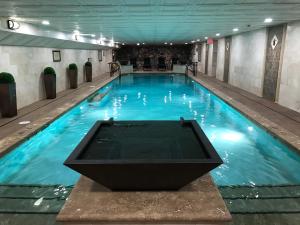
(251, 156)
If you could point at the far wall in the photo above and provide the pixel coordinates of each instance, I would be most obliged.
(26, 65)
(181, 52)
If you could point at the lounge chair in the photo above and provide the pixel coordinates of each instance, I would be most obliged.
(161, 63)
(174, 62)
(147, 64)
(133, 63)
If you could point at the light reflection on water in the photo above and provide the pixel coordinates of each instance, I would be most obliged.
(251, 156)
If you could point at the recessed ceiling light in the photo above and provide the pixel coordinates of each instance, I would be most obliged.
(137, 43)
(206, 38)
(171, 43)
(198, 39)
(192, 41)
(166, 43)
(235, 29)
(268, 20)
(45, 22)
(24, 122)
(123, 43)
(217, 34)
(185, 43)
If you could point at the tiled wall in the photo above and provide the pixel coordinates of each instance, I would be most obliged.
(210, 60)
(289, 88)
(220, 60)
(258, 68)
(201, 49)
(247, 61)
(26, 64)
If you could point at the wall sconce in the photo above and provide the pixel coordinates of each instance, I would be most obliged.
(13, 25)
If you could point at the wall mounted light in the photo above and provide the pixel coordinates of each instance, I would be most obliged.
(13, 25)
(268, 20)
(45, 22)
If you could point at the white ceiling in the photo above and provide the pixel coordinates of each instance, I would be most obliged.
(152, 21)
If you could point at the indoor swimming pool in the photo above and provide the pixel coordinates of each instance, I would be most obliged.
(251, 155)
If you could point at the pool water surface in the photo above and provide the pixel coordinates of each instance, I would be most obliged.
(251, 155)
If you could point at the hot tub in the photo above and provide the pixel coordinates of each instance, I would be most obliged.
(144, 155)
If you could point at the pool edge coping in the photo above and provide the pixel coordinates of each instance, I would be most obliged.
(287, 137)
(11, 141)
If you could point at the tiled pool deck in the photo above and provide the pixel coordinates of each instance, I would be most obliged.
(44, 112)
(278, 120)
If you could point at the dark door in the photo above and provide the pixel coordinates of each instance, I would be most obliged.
(206, 59)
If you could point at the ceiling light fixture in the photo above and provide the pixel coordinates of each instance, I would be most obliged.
(193, 41)
(185, 43)
(268, 20)
(198, 40)
(235, 29)
(143, 43)
(137, 44)
(45, 22)
(206, 38)
(123, 43)
(171, 43)
(217, 34)
(166, 43)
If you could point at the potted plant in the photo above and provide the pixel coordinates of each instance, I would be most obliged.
(8, 97)
(88, 71)
(73, 75)
(50, 82)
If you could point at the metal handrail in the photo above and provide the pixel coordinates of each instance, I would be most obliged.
(192, 68)
(114, 67)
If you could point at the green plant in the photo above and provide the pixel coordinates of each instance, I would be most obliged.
(6, 78)
(88, 64)
(49, 71)
(72, 66)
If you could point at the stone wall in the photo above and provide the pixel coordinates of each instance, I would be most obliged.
(27, 63)
(181, 52)
(247, 61)
(273, 56)
(220, 60)
(289, 89)
(201, 49)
